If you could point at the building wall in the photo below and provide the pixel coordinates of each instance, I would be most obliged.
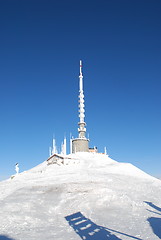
(80, 145)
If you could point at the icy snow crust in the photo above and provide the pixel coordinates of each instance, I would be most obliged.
(90, 197)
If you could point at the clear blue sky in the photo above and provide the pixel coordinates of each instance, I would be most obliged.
(41, 43)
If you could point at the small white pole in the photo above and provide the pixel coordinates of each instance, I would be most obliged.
(70, 144)
(17, 168)
(65, 146)
(105, 151)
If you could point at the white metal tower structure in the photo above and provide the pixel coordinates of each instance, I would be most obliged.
(80, 144)
(81, 129)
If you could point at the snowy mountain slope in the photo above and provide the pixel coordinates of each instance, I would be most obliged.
(90, 197)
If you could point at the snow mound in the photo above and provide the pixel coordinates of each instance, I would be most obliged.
(86, 196)
(92, 161)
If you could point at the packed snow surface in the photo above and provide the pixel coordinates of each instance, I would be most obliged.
(89, 196)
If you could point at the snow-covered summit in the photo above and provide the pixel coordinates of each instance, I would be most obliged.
(87, 164)
(87, 196)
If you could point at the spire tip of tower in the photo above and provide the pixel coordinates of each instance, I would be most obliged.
(80, 67)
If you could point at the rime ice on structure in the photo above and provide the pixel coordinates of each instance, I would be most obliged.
(53, 150)
(80, 144)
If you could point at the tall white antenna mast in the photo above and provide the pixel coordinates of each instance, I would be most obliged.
(80, 144)
(81, 123)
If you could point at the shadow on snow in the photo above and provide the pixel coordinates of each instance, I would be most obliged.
(88, 230)
(153, 206)
(2, 237)
(154, 222)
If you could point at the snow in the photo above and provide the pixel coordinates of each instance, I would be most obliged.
(90, 197)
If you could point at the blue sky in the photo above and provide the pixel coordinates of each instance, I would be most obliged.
(119, 42)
